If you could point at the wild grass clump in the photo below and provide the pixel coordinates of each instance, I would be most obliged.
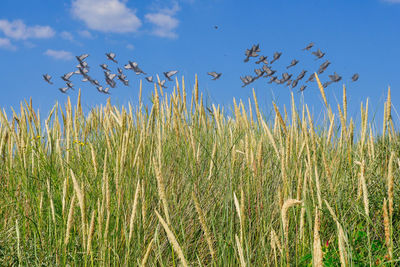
(179, 183)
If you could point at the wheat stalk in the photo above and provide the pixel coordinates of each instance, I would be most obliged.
(390, 184)
(285, 207)
(240, 250)
(133, 212)
(204, 225)
(91, 232)
(317, 249)
(81, 201)
(70, 219)
(364, 187)
(239, 213)
(172, 240)
(146, 255)
(386, 223)
(342, 240)
(161, 190)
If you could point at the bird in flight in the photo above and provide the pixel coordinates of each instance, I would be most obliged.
(326, 84)
(103, 90)
(149, 79)
(215, 75)
(302, 88)
(104, 67)
(294, 83)
(83, 65)
(262, 59)
(252, 52)
(247, 80)
(319, 54)
(80, 71)
(273, 79)
(335, 77)
(66, 76)
(258, 72)
(268, 71)
(323, 67)
(63, 89)
(135, 67)
(162, 84)
(311, 78)
(355, 77)
(47, 78)
(122, 78)
(309, 46)
(293, 63)
(82, 57)
(277, 55)
(286, 76)
(70, 85)
(301, 75)
(169, 74)
(111, 56)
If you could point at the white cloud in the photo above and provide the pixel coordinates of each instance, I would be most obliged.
(164, 21)
(6, 44)
(18, 30)
(85, 34)
(130, 46)
(59, 54)
(106, 15)
(67, 36)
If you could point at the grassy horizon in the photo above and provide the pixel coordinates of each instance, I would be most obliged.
(177, 183)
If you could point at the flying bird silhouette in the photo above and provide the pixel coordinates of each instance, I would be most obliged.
(301, 75)
(302, 88)
(319, 54)
(63, 89)
(335, 77)
(66, 76)
(111, 56)
(214, 74)
(323, 67)
(169, 74)
(309, 46)
(277, 55)
(82, 57)
(104, 67)
(293, 63)
(262, 59)
(311, 78)
(47, 78)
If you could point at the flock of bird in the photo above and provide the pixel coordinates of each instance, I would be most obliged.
(265, 71)
(83, 70)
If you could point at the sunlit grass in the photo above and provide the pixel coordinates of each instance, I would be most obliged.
(178, 183)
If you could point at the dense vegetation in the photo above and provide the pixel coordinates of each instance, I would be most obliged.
(178, 183)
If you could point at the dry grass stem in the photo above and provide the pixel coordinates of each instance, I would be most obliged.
(172, 240)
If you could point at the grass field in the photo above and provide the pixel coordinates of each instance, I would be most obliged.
(177, 183)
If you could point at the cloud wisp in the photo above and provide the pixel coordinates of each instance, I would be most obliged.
(18, 30)
(86, 34)
(5, 43)
(59, 54)
(106, 15)
(67, 36)
(164, 22)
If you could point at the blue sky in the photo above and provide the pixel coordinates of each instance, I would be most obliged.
(38, 37)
